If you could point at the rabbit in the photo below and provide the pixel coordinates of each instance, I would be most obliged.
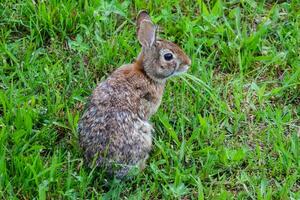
(114, 131)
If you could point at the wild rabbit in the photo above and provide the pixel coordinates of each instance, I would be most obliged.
(114, 131)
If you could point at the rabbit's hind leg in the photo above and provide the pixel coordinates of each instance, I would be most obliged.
(145, 131)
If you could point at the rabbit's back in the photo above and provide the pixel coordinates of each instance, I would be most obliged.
(114, 125)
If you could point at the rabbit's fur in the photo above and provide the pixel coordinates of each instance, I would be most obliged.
(114, 131)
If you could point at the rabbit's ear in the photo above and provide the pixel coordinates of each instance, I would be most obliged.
(145, 29)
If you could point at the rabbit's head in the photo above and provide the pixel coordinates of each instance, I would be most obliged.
(160, 58)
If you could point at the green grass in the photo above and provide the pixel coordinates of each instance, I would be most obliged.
(230, 129)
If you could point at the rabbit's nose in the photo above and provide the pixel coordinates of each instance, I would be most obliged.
(186, 61)
(189, 62)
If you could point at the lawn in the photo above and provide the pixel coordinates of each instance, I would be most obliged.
(229, 129)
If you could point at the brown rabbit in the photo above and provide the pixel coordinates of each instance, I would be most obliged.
(114, 131)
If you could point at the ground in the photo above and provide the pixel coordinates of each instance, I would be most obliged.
(229, 129)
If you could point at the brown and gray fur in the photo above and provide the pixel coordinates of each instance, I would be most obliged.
(115, 129)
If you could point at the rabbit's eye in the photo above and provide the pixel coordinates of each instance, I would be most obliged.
(168, 56)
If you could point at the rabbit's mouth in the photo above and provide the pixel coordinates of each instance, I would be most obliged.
(178, 71)
(181, 70)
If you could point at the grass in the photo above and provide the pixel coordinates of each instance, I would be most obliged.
(230, 129)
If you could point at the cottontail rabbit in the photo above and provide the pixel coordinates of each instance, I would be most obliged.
(114, 131)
